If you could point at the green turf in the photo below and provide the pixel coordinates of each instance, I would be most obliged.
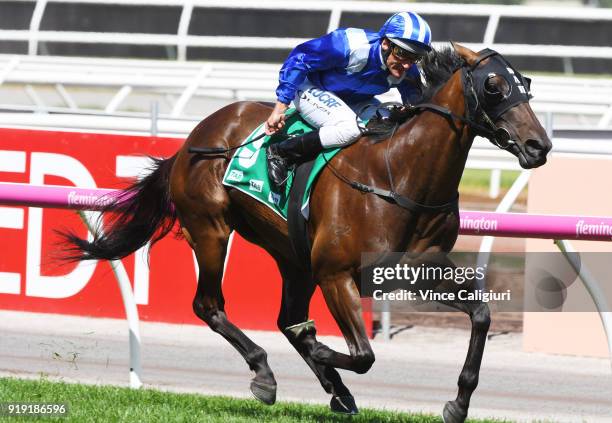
(477, 180)
(88, 403)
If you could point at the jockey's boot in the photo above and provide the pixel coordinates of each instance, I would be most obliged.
(292, 151)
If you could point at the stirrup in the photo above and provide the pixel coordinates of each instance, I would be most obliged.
(283, 182)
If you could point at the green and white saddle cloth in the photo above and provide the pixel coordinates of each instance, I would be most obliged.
(248, 168)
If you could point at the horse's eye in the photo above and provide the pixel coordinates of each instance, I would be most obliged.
(489, 85)
(496, 88)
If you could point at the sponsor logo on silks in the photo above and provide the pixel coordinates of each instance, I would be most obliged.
(235, 175)
(324, 97)
(274, 198)
(256, 185)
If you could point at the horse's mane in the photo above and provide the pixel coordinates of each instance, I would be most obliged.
(437, 67)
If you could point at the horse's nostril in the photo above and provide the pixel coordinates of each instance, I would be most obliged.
(534, 147)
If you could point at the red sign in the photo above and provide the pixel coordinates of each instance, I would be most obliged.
(32, 280)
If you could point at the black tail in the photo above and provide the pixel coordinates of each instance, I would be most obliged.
(141, 213)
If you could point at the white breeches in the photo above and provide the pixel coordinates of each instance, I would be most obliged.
(336, 119)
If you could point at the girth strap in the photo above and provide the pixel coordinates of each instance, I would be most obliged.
(406, 202)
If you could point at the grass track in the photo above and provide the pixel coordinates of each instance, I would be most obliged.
(89, 403)
(476, 181)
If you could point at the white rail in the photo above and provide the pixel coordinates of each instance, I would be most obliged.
(182, 40)
(129, 305)
(592, 286)
(187, 92)
(580, 101)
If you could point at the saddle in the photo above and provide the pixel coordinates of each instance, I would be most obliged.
(247, 172)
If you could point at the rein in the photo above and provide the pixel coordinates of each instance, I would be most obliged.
(392, 195)
(498, 136)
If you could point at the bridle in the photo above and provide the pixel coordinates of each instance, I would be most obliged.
(479, 121)
(476, 117)
(518, 93)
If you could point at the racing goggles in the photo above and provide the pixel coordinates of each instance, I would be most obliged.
(405, 55)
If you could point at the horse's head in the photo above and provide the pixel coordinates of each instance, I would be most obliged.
(497, 97)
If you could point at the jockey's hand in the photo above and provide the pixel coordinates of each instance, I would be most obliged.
(276, 120)
(400, 113)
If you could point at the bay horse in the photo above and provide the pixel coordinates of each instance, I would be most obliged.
(406, 200)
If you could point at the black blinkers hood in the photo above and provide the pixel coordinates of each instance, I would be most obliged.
(519, 85)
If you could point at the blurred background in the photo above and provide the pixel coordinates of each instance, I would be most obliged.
(155, 68)
(183, 59)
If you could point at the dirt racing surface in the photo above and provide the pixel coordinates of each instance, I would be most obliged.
(416, 371)
(500, 322)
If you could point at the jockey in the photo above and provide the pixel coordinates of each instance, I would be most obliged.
(332, 78)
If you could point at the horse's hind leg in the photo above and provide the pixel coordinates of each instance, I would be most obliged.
(292, 322)
(210, 245)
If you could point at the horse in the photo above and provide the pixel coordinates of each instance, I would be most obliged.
(401, 195)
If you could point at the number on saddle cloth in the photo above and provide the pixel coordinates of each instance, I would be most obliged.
(248, 172)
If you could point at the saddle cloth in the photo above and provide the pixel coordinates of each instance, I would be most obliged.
(248, 168)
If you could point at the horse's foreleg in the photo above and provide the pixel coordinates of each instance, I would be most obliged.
(456, 411)
(343, 301)
(210, 245)
(296, 295)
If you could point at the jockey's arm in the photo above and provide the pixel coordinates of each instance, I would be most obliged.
(276, 120)
(326, 52)
(322, 53)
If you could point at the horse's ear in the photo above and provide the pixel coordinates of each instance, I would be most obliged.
(468, 55)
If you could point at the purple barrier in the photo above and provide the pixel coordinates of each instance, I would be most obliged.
(55, 196)
(516, 225)
(520, 225)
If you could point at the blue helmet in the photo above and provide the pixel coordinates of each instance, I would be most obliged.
(409, 31)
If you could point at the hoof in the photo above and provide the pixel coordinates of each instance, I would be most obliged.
(264, 392)
(453, 414)
(344, 404)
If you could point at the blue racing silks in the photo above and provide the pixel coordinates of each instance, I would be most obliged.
(347, 62)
